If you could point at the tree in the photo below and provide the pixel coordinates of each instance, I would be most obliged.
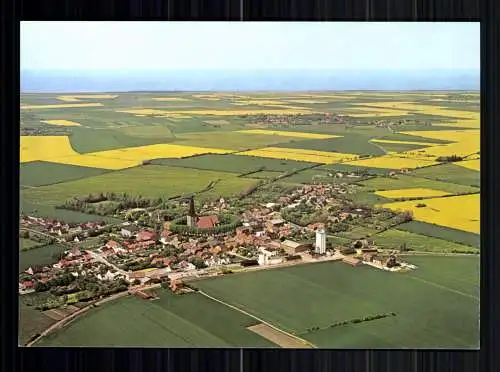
(136, 282)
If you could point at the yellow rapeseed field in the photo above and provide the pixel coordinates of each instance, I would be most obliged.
(288, 134)
(474, 164)
(67, 123)
(156, 151)
(175, 114)
(169, 99)
(313, 156)
(262, 102)
(57, 149)
(86, 96)
(392, 162)
(411, 193)
(465, 142)
(459, 212)
(62, 105)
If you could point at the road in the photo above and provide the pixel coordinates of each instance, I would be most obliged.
(64, 321)
(101, 259)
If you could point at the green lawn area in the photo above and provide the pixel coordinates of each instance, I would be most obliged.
(348, 143)
(403, 182)
(441, 232)
(39, 173)
(392, 239)
(189, 320)
(39, 256)
(27, 243)
(48, 211)
(451, 173)
(233, 163)
(367, 198)
(147, 181)
(436, 305)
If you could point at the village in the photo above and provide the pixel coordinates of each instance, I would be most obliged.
(126, 255)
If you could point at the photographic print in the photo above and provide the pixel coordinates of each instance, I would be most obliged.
(240, 184)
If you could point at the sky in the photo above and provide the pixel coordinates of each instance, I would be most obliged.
(249, 45)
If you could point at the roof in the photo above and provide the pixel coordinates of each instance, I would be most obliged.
(291, 243)
(206, 222)
(277, 221)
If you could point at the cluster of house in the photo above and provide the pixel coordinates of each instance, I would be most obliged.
(58, 228)
(78, 263)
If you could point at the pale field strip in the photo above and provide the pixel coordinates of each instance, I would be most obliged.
(289, 134)
(61, 105)
(458, 212)
(305, 101)
(78, 98)
(311, 156)
(66, 123)
(279, 338)
(177, 114)
(170, 99)
(474, 164)
(57, 149)
(393, 162)
(411, 193)
(217, 122)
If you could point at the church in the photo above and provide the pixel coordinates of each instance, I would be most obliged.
(201, 222)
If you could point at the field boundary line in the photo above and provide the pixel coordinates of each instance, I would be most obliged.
(306, 343)
(444, 287)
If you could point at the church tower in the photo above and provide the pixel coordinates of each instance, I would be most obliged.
(191, 217)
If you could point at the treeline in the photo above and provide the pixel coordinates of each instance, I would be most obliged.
(354, 321)
(228, 224)
(449, 159)
(93, 203)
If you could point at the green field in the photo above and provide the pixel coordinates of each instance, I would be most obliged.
(348, 143)
(48, 211)
(147, 181)
(392, 239)
(400, 147)
(403, 182)
(31, 321)
(436, 305)
(27, 243)
(451, 173)
(189, 320)
(441, 232)
(233, 163)
(40, 173)
(39, 256)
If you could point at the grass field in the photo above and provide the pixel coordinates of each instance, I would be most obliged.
(189, 320)
(39, 173)
(233, 163)
(162, 181)
(436, 305)
(27, 243)
(440, 232)
(39, 256)
(404, 182)
(348, 143)
(392, 239)
(31, 321)
(451, 173)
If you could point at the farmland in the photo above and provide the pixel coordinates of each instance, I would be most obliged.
(333, 292)
(170, 321)
(415, 152)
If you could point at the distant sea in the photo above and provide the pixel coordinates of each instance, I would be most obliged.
(253, 80)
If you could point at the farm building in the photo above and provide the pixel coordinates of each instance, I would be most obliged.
(129, 231)
(292, 247)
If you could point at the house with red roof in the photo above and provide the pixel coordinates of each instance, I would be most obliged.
(207, 222)
(145, 235)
